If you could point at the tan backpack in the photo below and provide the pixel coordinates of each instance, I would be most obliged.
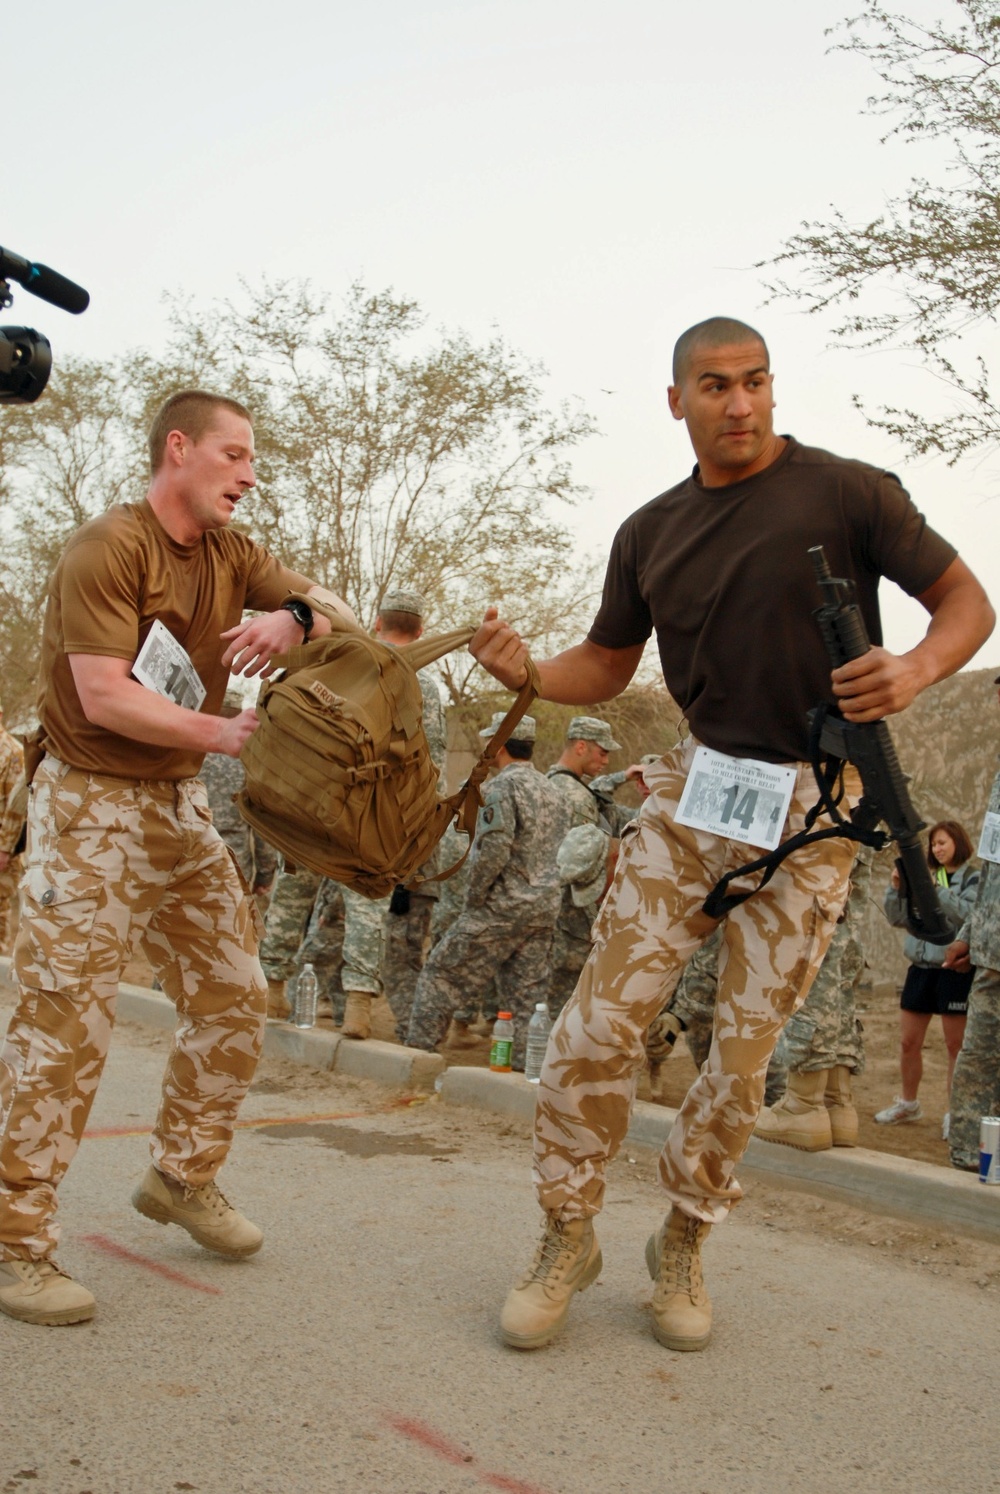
(339, 777)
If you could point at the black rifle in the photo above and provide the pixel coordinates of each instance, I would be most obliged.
(869, 747)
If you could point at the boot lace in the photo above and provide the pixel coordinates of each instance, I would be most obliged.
(554, 1251)
(680, 1262)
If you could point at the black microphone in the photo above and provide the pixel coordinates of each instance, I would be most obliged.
(44, 283)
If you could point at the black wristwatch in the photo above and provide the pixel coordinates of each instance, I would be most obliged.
(302, 613)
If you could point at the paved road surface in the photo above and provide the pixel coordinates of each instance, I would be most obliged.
(358, 1351)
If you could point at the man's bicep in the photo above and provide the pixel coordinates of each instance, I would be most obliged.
(97, 676)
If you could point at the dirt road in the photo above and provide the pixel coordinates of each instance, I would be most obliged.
(358, 1351)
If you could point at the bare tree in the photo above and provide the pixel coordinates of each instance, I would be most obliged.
(926, 271)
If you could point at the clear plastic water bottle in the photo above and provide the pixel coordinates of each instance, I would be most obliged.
(306, 992)
(503, 1043)
(538, 1040)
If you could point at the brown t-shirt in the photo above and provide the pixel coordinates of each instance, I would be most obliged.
(117, 575)
(724, 578)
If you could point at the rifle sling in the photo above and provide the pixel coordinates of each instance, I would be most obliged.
(827, 772)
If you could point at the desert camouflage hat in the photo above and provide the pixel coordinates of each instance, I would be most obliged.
(591, 729)
(582, 859)
(404, 601)
(524, 731)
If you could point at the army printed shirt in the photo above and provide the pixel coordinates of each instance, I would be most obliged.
(513, 859)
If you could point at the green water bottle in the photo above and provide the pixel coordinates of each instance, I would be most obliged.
(503, 1043)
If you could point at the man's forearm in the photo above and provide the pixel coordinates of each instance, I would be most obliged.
(131, 710)
(587, 674)
(959, 626)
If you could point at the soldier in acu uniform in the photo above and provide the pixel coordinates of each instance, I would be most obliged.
(975, 1084)
(512, 901)
(11, 822)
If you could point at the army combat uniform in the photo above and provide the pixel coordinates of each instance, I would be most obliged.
(975, 1084)
(409, 913)
(512, 901)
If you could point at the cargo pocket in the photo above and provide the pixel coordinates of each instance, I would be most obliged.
(820, 921)
(54, 946)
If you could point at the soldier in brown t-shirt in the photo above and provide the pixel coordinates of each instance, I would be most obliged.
(121, 847)
(718, 568)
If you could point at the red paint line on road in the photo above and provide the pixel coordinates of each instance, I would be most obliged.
(121, 1253)
(451, 1452)
(101, 1133)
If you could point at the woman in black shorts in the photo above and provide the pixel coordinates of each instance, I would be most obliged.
(929, 990)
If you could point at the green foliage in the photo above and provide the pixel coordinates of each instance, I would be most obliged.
(926, 270)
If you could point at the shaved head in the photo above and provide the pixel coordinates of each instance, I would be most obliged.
(716, 332)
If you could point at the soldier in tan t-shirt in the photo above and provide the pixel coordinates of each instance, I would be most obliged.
(122, 851)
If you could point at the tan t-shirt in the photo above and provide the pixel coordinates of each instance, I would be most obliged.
(117, 575)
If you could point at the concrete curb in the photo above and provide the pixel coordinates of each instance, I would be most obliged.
(872, 1180)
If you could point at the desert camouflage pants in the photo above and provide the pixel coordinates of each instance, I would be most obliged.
(8, 902)
(110, 864)
(975, 1084)
(649, 925)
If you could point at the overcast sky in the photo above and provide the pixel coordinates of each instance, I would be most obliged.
(588, 179)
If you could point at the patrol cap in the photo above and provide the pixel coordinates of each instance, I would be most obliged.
(404, 601)
(524, 731)
(591, 729)
(582, 859)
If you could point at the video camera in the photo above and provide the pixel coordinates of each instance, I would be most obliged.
(25, 355)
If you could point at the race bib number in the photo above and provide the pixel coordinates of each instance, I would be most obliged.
(989, 840)
(739, 798)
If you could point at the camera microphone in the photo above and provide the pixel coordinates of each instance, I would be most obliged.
(44, 283)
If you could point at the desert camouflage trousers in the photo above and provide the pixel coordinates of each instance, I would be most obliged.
(8, 901)
(649, 925)
(975, 1084)
(112, 864)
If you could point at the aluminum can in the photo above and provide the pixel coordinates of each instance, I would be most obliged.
(989, 1149)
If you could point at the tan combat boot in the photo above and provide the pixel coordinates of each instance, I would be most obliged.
(840, 1107)
(357, 1015)
(459, 1035)
(278, 1004)
(39, 1292)
(800, 1118)
(682, 1309)
(206, 1215)
(568, 1260)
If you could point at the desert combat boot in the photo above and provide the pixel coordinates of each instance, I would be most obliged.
(278, 1005)
(800, 1118)
(567, 1260)
(682, 1309)
(840, 1105)
(357, 1015)
(206, 1215)
(39, 1292)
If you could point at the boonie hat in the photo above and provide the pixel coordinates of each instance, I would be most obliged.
(582, 859)
(404, 601)
(524, 731)
(591, 729)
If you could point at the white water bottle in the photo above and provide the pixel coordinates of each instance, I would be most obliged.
(306, 992)
(538, 1040)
